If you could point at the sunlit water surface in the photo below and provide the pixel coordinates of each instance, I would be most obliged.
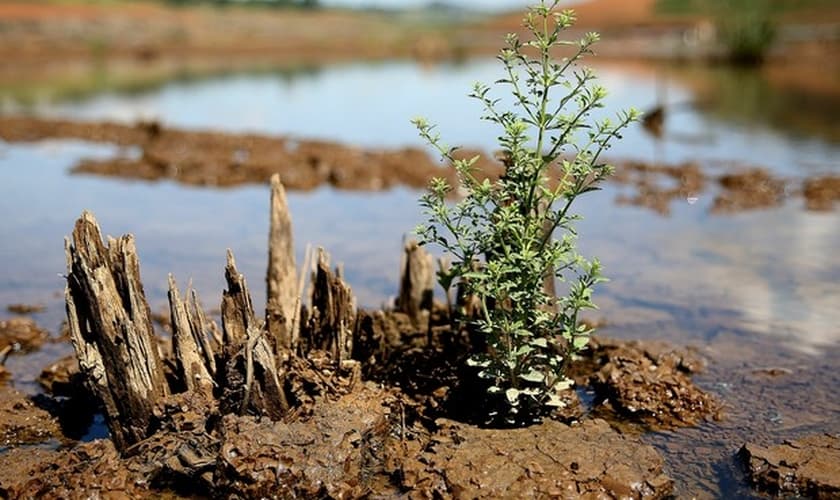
(752, 290)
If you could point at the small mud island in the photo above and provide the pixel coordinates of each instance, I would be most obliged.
(325, 399)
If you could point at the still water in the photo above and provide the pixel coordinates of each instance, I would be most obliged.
(751, 290)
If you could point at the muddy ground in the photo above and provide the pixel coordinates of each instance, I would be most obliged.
(394, 434)
(222, 160)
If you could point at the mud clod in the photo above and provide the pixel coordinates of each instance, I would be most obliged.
(808, 467)
(821, 193)
(21, 335)
(647, 382)
(26, 308)
(749, 190)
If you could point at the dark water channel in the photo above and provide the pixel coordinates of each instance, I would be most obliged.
(752, 291)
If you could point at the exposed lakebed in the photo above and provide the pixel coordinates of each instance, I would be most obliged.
(756, 292)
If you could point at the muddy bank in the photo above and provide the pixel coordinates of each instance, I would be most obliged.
(217, 159)
(222, 160)
(365, 443)
(260, 408)
(660, 187)
(807, 467)
(25, 308)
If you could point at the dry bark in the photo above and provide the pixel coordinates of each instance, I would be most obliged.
(417, 282)
(111, 329)
(282, 297)
(189, 343)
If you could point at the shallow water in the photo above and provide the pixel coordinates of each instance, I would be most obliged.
(753, 290)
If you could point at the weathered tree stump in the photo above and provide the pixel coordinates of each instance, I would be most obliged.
(111, 329)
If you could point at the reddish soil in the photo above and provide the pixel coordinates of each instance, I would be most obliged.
(807, 467)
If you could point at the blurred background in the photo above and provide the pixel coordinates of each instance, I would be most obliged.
(719, 230)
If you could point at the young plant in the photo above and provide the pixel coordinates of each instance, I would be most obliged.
(512, 237)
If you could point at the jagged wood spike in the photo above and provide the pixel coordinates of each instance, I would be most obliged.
(252, 380)
(200, 325)
(281, 279)
(333, 312)
(187, 346)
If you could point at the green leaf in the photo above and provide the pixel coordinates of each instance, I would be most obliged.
(533, 376)
(512, 396)
(580, 342)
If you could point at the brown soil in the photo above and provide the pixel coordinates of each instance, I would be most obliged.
(21, 335)
(647, 383)
(367, 442)
(56, 33)
(90, 470)
(808, 467)
(222, 159)
(25, 308)
(821, 192)
(349, 439)
(748, 190)
(551, 460)
(219, 159)
(22, 422)
(657, 186)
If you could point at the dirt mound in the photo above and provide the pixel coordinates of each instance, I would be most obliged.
(808, 467)
(371, 441)
(657, 186)
(62, 378)
(22, 422)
